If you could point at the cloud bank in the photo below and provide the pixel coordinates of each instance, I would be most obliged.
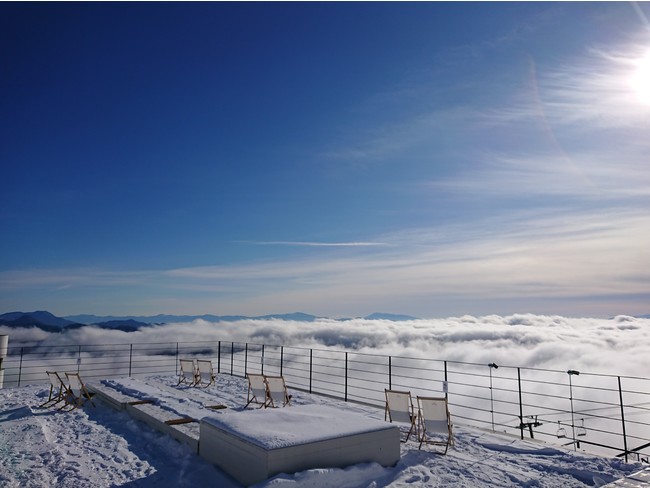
(600, 346)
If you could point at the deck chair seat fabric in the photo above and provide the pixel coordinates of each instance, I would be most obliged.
(277, 394)
(438, 426)
(434, 418)
(204, 373)
(187, 375)
(399, 408)
(257, 390)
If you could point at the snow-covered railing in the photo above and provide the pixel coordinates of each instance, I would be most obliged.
(606, 414)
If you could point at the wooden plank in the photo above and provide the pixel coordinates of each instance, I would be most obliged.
(185, 420)
(140, 402)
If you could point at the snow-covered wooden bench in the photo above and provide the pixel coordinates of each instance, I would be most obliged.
(254, 445)
(182, 428)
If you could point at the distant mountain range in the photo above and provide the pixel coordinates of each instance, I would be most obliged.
(51, 323)
(41, 319)
(165, 319)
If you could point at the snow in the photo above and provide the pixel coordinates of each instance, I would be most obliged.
(102, 447)
(290, 427)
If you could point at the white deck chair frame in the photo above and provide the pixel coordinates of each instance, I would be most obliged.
(434, 418)
(399, 408)
(276, 391)
(204, 373)
(58, 390)
(257, 390)
(187, 374)
(78, 395)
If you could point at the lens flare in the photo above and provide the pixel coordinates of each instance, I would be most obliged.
(641, 79)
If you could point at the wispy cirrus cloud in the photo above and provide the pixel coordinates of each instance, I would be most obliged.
(590, 92)
(576, 131)
(586, 100)
(68, 278)
(598, 176)
(314, 244)
(590, 262)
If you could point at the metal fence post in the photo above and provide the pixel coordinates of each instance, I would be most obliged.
(572, 372)
(446, 385)
(176, 366)
(281, 358)
(492, 365)
(346, 376)
(232, 357)
(311, 367)
(620, 395)
(262, 359)
(130, 358)
(246, 360)
(521, 404)
(20, 367)
(219, 357)
(390, 372)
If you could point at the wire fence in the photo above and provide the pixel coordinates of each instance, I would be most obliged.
(603, 414)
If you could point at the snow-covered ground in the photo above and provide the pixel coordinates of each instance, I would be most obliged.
(102, 447)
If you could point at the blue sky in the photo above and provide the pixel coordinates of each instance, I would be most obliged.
(432, 159)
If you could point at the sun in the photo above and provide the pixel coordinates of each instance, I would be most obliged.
(641, 79)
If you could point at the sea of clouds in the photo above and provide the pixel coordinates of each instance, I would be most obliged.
(617, 345)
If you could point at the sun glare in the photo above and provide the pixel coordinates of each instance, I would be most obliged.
(641, 79)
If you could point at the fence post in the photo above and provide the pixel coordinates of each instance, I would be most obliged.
(219, 357)
(20, 367)
(572, 372)
(176, 366)
(232, 356)
(490, 366)
(620, 395)
(346, 376)
(446, 384)
(281, 358)
(262, 359)
(79, 359)
(390, 372)
(521, 404)
(4, 351)
(311, 367)
(130, 358)
(246, 361)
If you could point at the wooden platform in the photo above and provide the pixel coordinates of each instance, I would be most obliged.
(254, 445)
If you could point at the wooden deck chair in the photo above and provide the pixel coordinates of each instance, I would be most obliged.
(399, 408)
(187, 376)
(78, 395)
(204, 373)
(58, 390)
(434, 418)
(276, 391)
(257, 391)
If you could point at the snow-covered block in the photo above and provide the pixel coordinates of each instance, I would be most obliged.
(160, 419)
(114, 398)
(254, 445)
